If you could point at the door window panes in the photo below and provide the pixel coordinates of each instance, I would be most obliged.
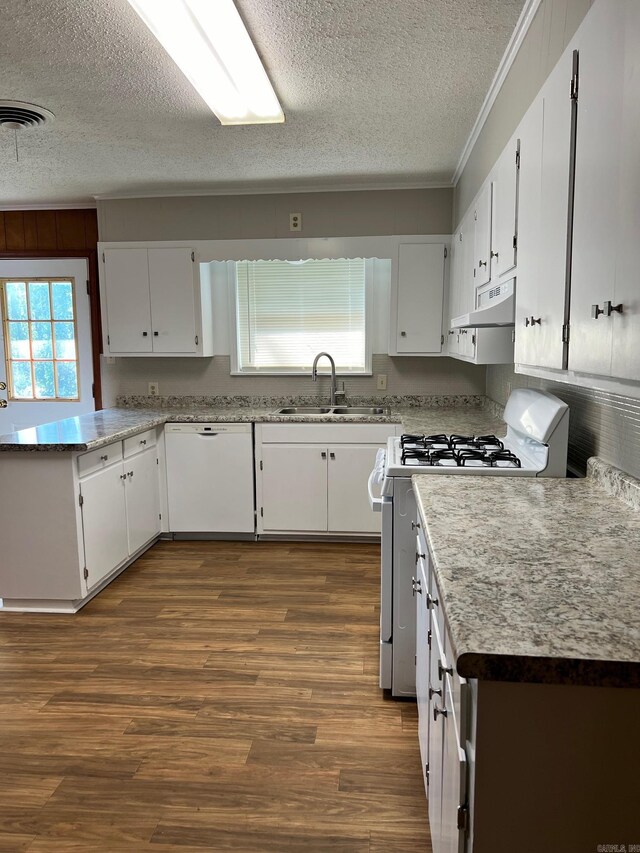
(40, 333)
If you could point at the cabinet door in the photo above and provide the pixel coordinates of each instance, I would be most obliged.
(104, 522)
(436, 737)
(529, 250)
(554, 205)
(349, 468)
(142, 498)
(294, 487)
(505, 205)
(420, 295)
(126, 295)
(482, 237)
(454, 782)
(607, 192)
(423, 644)
(173, 309)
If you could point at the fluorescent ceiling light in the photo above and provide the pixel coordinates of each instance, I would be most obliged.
(210, 44)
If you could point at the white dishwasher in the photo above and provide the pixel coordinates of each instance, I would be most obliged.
(210, 478)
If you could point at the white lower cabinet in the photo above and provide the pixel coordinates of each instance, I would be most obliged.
(120, 510)
(104, 522)
(312, 478)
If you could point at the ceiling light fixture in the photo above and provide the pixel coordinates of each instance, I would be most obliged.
(209, 42)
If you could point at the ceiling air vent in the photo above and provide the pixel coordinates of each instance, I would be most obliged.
(17, 115)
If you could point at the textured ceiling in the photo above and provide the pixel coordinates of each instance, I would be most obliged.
(375, 94)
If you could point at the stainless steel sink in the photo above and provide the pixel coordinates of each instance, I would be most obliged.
(345, 411)
(359, 410)
(303, 410)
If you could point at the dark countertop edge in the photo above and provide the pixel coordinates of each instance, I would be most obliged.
(578, 672)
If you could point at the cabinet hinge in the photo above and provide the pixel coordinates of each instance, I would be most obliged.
(88, 288)
(463, 817)
(574, 77)
(445, 251)
(565, 333)
(513, 336)
(515, 241)
(80, 500)
(160, 516)
(261, 465)
(157, 461)
(441, 340)
(85, 573)
(426, 771)
(473, 340)
(415, 660)
(518, 156)
(108, 339)
(196, 340)
(193, 256)
(429, 638)
(103, 260)
(93, 390)
(261, 512)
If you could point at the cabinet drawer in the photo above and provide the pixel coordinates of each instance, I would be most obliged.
(93, 461)
(139, 442)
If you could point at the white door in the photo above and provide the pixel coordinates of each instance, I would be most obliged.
(171, 281)
(294, 487)
(104, 522)
(482, 239)
(348, 503)
(142, 498)
(126, 293)
(70, 303)
(505, 205)
(420, 297)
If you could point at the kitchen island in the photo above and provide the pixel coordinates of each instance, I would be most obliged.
(528, 660)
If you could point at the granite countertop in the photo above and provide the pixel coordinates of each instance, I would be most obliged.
(88, 432)
(547, 587)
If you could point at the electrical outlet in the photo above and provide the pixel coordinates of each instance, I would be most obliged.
(381, 381)
(154, 389)
(295, 222)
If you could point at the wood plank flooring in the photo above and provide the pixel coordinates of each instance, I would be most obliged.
(216, 696)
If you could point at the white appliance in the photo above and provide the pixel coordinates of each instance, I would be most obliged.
(210, 478)
(535, 445)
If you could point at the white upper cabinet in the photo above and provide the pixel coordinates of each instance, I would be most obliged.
(482, 235)
(545, 149)
(154, 303)
(605, 289)
(419, 296)
(125, 301)
(504, 233)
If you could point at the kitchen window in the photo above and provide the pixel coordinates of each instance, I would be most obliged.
(40, 338)
(286, 312)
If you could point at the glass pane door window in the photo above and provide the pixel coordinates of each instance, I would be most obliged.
(40, 336)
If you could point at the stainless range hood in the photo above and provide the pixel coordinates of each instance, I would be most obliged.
(496, 307)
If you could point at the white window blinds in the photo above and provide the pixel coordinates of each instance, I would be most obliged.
(289, 311)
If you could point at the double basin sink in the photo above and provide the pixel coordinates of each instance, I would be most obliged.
(345, 411)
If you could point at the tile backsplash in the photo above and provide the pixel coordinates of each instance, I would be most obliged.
(601, 424)
(211, 376)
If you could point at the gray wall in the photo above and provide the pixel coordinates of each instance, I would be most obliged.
(207, 376)
(551, 30)
(331, 214)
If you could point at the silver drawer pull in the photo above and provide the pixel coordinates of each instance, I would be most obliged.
(443, 669)
(433, 692)
(439, 711)
(419, 557)
(416, 586)
(431, 601)
(415, 525)
(104, 458)
(143, 441)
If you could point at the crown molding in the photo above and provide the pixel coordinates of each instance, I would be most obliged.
(79, 205)
(283, 190)
(517, 37)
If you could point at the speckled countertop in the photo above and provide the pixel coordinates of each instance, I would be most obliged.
(546, 587)
(94, 430)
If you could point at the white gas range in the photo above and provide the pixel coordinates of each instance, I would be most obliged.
(534, 445)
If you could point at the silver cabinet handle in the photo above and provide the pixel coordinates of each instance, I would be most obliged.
(3, 386)
(431, 601)
(332, 455)
(130, 474)
(323, 454)
(609, 308)
(482, 263)
(144, 334)
(104, 458)
(433, 692)
(419, 557)
(416, 586)
(443, 669)
(494, 254)
(439, 711)
(3, 404)
(403, 334)
(415, 525)
(143, 441)
(536, 321)
(155, 334)
(596, 311)
(123, 476)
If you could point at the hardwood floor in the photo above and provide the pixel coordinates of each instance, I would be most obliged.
(216, 696)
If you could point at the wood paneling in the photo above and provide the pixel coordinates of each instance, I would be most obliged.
(42, 230)
(216, 696)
